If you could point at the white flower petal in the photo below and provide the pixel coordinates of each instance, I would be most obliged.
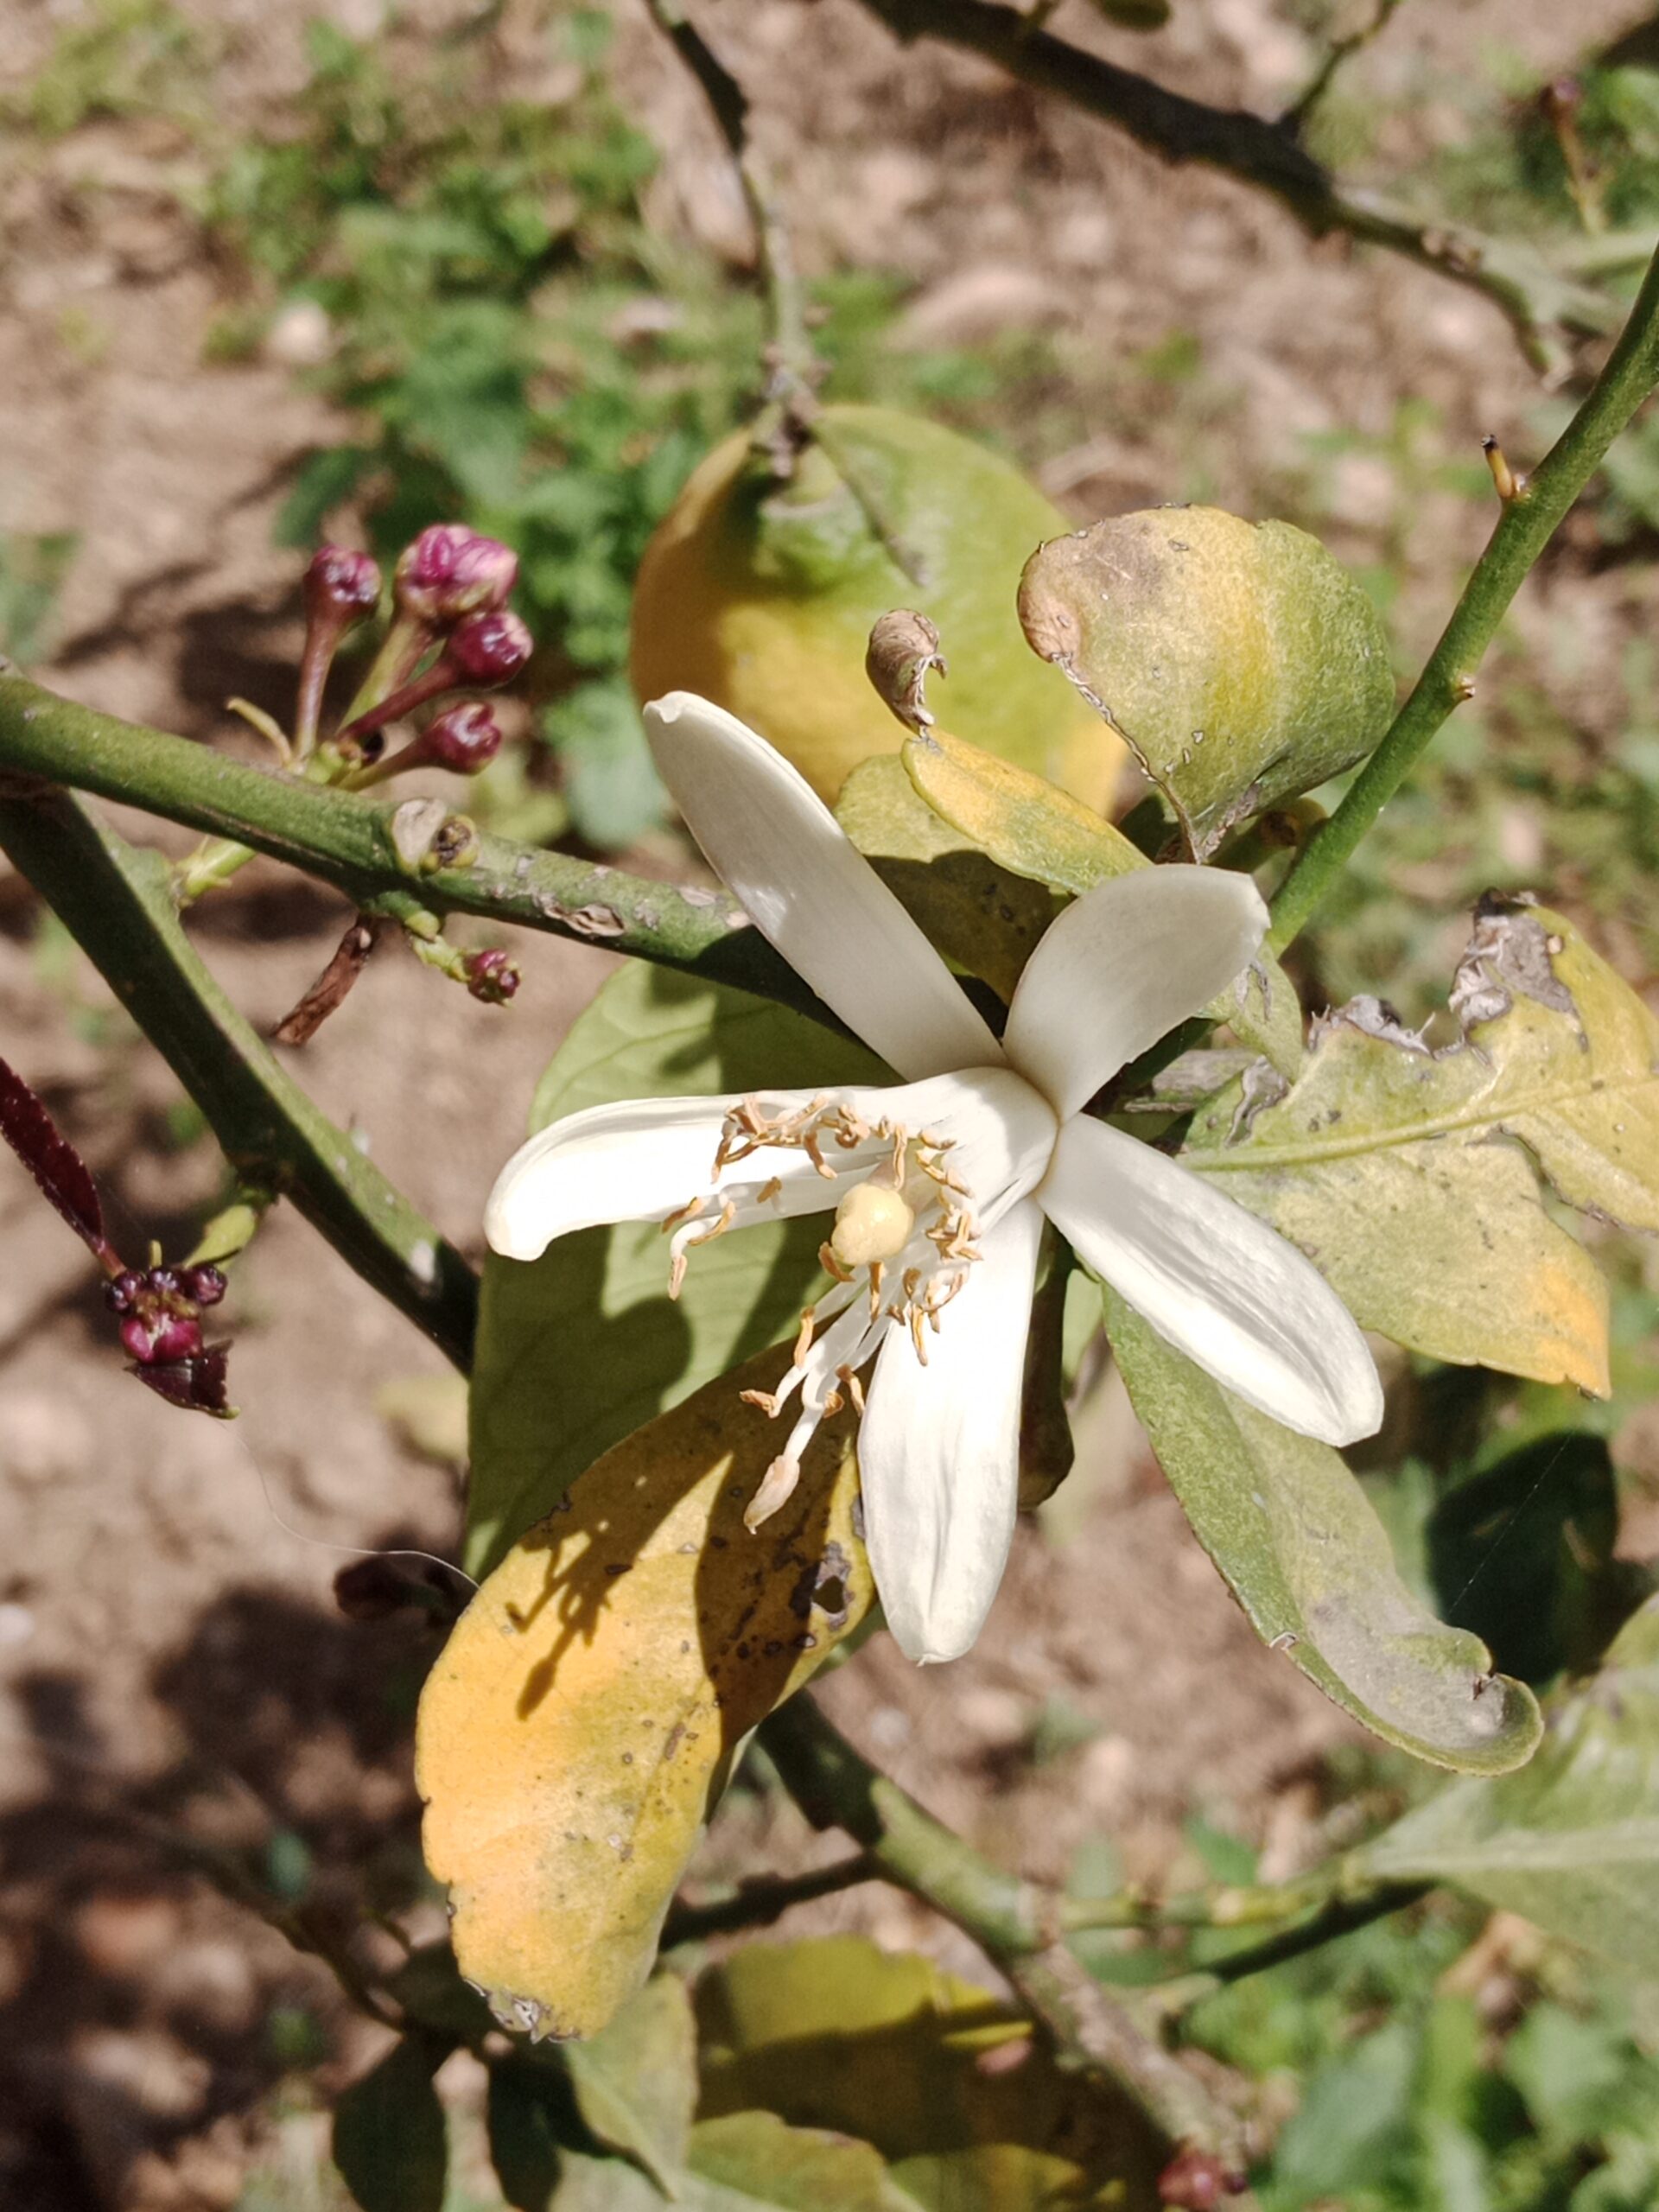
(787, 861)
(938, 1451)
(639, 1160)
(1224, 1288)
(1120, 967)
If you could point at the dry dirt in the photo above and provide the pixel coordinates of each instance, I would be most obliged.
(170, 1655)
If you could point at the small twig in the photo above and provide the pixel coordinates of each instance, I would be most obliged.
(763, 1899)
(333, 986)
(1340, 51)
(1540, 304)
(1338, 1914)
(796, 366)
(115, 900)
(1528, 521)
(834, 1786)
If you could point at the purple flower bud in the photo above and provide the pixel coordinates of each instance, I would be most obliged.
(490, 648)
(493, 975)
(450, 572)
(346, 582)
(465, 738)
(152, 1337)
(121, 1290)
(165, 1282)
(205, 1284)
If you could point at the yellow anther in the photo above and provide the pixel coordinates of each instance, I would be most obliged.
(872, 1222)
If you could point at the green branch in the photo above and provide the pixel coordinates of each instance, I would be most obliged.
(352, 842)
(1269, 155)
(1528, 522)
(797, 368)
(116, 900)
(836, 1786)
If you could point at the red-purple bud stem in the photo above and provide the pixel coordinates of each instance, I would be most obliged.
(340, 587)
(464, 739)
(486, 649)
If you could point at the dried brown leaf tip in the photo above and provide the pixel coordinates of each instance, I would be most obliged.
(904, 647)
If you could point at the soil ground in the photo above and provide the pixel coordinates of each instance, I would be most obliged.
(170, 1654)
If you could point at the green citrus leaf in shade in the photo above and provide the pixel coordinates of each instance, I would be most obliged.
(1301, 1549)
(636, 2081)
(577, 1349)
(524, 2145)
(1572, 1841)
(578, 1725)
(1032, 828)
(954, 2091)
(761, 596)
(1241, 663)
(982, 917)
(427, 1415)
(1401, 1171)
(753, 2159)
(747, 2162)
(1522, 1553)
(391, 2140)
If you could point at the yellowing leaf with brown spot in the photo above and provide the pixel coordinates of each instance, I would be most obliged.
(1413, 1177)
(581, 1720)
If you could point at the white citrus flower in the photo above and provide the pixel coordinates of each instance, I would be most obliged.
(939, 1186)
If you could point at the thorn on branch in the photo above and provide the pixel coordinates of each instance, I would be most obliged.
(1510, 485)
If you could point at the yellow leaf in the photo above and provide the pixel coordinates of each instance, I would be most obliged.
(760, 595)
(584, 1716)
(970, 2108)
(985, 919)
(1401, 1169)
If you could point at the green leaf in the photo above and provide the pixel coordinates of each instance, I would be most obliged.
(579, 1349)
(1032, 828)
(749, 2162)
(605, 2185)
(1570, 1842)
(390, 2141)
(950, 2087)
(1523, 1554)
(752, 2162)
(636, 2081)
(985, 920)
(1242, 663)
(1381, 1160)
(610, 781)
(523, 2148)
(1304, 1553)
(1354, 2120)
(427, 1415)
(429, 1988)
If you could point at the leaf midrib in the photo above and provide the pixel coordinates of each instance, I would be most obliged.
(1241, 1158)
